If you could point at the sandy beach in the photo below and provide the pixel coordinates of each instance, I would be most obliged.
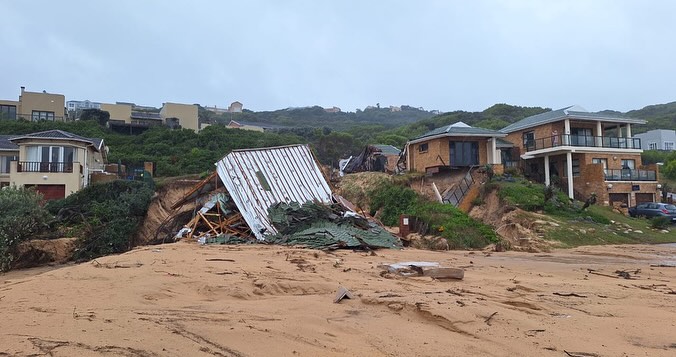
(189, 300)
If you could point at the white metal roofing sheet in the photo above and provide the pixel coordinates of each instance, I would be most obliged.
(258, 178)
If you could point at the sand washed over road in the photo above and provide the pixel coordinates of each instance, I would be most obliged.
(190, 300)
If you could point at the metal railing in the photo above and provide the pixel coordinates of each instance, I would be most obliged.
(630, 175)
(456, 195)
(33, 166)
(37, 117)
(582, 141)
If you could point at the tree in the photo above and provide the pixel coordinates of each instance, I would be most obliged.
(21, 217)
(98, 115)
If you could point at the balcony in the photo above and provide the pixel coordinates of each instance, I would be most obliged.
(582, 141)
(53, 167)
(630, 175)
(37, 117)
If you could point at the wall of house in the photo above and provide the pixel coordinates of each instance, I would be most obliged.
(46, 102)
(73, 181)
(438, 153)
(542, 131)
(118, 111)
(592, 177)
(186, 113)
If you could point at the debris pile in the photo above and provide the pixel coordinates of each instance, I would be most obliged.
(326, 227)
(218, 216)
(272, 195)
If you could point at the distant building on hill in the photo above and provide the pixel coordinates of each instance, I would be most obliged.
(332, 110)
(235, 107)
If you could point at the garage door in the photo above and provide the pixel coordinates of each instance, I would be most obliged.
(644, 197)
(619, 197)
(50, 192)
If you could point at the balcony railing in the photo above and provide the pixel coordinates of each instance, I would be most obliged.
(37, 117)
(583, 141)
(32, 166)
(630, 175)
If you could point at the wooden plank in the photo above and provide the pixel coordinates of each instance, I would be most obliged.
(444, 273)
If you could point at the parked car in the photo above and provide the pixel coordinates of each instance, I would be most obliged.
(652, 209)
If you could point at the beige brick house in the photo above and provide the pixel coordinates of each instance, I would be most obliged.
(55, 162)
(34, 106)
(584, 153)
(453, 146)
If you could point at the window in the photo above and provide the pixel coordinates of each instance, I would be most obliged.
(628, 164)
(8, 112)
(669, 145)
(423, 147)
(40, 115)
(581, 137)
(5, 163)
(601, 161)
(464, 153)
(652, 146)
(576, 167)
(529, 140)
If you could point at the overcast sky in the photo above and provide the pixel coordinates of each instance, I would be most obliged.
(446, 55)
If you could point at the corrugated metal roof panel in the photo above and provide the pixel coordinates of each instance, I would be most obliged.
(258, 178)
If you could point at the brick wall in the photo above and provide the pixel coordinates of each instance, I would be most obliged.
(438, 153)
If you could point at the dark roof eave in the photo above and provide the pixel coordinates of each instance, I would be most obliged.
(515, 128)
(432, 137)
(88, 142)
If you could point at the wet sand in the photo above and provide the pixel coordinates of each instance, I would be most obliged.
(190, 300)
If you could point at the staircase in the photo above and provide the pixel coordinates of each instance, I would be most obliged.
(464, 192)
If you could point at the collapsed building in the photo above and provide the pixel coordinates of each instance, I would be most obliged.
(275, 195)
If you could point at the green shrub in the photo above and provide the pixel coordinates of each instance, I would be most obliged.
(660, 222)
(459, 229)
(528, 197)
(21, 217)
(393, 200)
(477, 201)
(512, 171)
(107, 216)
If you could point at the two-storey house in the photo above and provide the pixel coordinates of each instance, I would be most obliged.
(584, 153)
(34, 106)
(55, 162)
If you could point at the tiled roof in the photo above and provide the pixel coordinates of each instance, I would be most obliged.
(5, 144)
(459, 129)
(501, 143)
(60, 134)
(575, 112)
(388, 149)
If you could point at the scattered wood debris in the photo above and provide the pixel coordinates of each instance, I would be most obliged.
(342, 293)
(570, 294)
(430, 269)
(488, 319)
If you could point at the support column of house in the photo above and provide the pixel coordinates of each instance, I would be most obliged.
(569, 173)
(547, 179)
(599, 134)
(495, 159)
(630, 143)
(566, 132)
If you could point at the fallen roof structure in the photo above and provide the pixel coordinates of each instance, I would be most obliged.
(257, 179)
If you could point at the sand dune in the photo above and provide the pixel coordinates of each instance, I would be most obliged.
(190, 300)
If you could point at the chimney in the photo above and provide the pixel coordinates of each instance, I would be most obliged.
(22, 89)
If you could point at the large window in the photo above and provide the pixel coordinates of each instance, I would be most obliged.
(464, 153)
(5, 163)
(669, 145)
(40, 115)
(601, 161)
(628, 164)
(49, 159)
(653, 146)
(8, 112)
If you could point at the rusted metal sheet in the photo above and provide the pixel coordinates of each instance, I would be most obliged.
(258, 178)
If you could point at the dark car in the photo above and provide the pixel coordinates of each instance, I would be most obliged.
(652, 209)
